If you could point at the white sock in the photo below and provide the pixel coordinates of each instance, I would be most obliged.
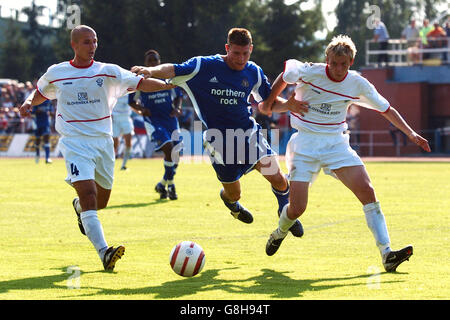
(285, 223)
(377, 224)
(78, 206)
(164, 182)
(126, 156)
(94, 231)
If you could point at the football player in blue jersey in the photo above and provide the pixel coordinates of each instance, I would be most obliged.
(160, 111)
(41, 115)
(219, 87)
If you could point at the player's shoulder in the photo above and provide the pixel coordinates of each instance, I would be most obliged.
(208, 60)
(107, 66)
(305, 66)
(253, 65)
(356, 76)
(314, 68)
(58, 67)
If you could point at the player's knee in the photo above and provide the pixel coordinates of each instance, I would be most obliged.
(88, 200)
(101, 204)
(295, 210)
(366, 194)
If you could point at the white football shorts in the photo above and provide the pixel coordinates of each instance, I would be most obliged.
(89, 158)
(308, 152)
(122, 125)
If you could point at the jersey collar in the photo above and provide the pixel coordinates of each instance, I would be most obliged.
(79, 67)
(331, 78)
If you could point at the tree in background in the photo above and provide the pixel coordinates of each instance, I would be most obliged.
(285, 31)
(15, 62)
(178, 29)
(38, 40)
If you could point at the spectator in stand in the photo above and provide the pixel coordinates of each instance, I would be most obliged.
(381, 35)
(447, 33)
(436, 38)
(3, 123)
(426, 28)
(7, 102)
(411, 34)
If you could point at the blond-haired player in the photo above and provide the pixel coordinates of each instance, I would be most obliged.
(86, 91)
(320, 141)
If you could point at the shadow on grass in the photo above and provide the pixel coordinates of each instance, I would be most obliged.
(40, 283)
(274, 284)
(137, 205)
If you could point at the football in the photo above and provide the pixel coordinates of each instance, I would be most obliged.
(187, 258)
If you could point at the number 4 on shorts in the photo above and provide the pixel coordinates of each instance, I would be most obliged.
(74, 169)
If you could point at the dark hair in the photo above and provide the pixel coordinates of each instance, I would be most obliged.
(239, 36)
(152, 52)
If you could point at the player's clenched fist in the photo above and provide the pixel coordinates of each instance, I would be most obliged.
(143, 71)
(25, 109)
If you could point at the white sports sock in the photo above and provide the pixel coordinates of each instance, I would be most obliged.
(377, 224)
(94, 231)
(126, 156)
(78, 206)
(285, 223)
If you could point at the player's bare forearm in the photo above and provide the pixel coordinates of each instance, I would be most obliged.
(162, 71)
(151, 85)
(35, 98)
(277, 88)
(138, 108)
(394, 117)
(282, 105)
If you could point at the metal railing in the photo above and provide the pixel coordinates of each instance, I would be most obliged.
(402, 52)
(397, 140)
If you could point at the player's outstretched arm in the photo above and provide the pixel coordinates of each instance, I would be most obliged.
(151, 85)
(35, 98)
(278, 86)
(282, 105)
(162, 71)
(397, 120)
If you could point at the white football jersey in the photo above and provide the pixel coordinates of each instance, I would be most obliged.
(122, 108)
(86, 96)
(328, 99)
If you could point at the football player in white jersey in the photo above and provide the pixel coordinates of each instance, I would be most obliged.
(122, 126)
(86, 91)
(321, 142)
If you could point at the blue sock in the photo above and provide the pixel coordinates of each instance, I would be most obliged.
(169, 170)
(36, 147)
(47, 150)
(233, 206)
(282, 197)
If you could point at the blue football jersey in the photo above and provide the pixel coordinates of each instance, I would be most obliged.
(219, 94)
(42, 113)
(159, 103)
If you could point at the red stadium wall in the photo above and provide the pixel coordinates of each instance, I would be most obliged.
(412, 100)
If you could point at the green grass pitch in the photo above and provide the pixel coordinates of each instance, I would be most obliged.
(44, 256)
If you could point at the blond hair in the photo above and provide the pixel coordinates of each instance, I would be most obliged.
(341, 45)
